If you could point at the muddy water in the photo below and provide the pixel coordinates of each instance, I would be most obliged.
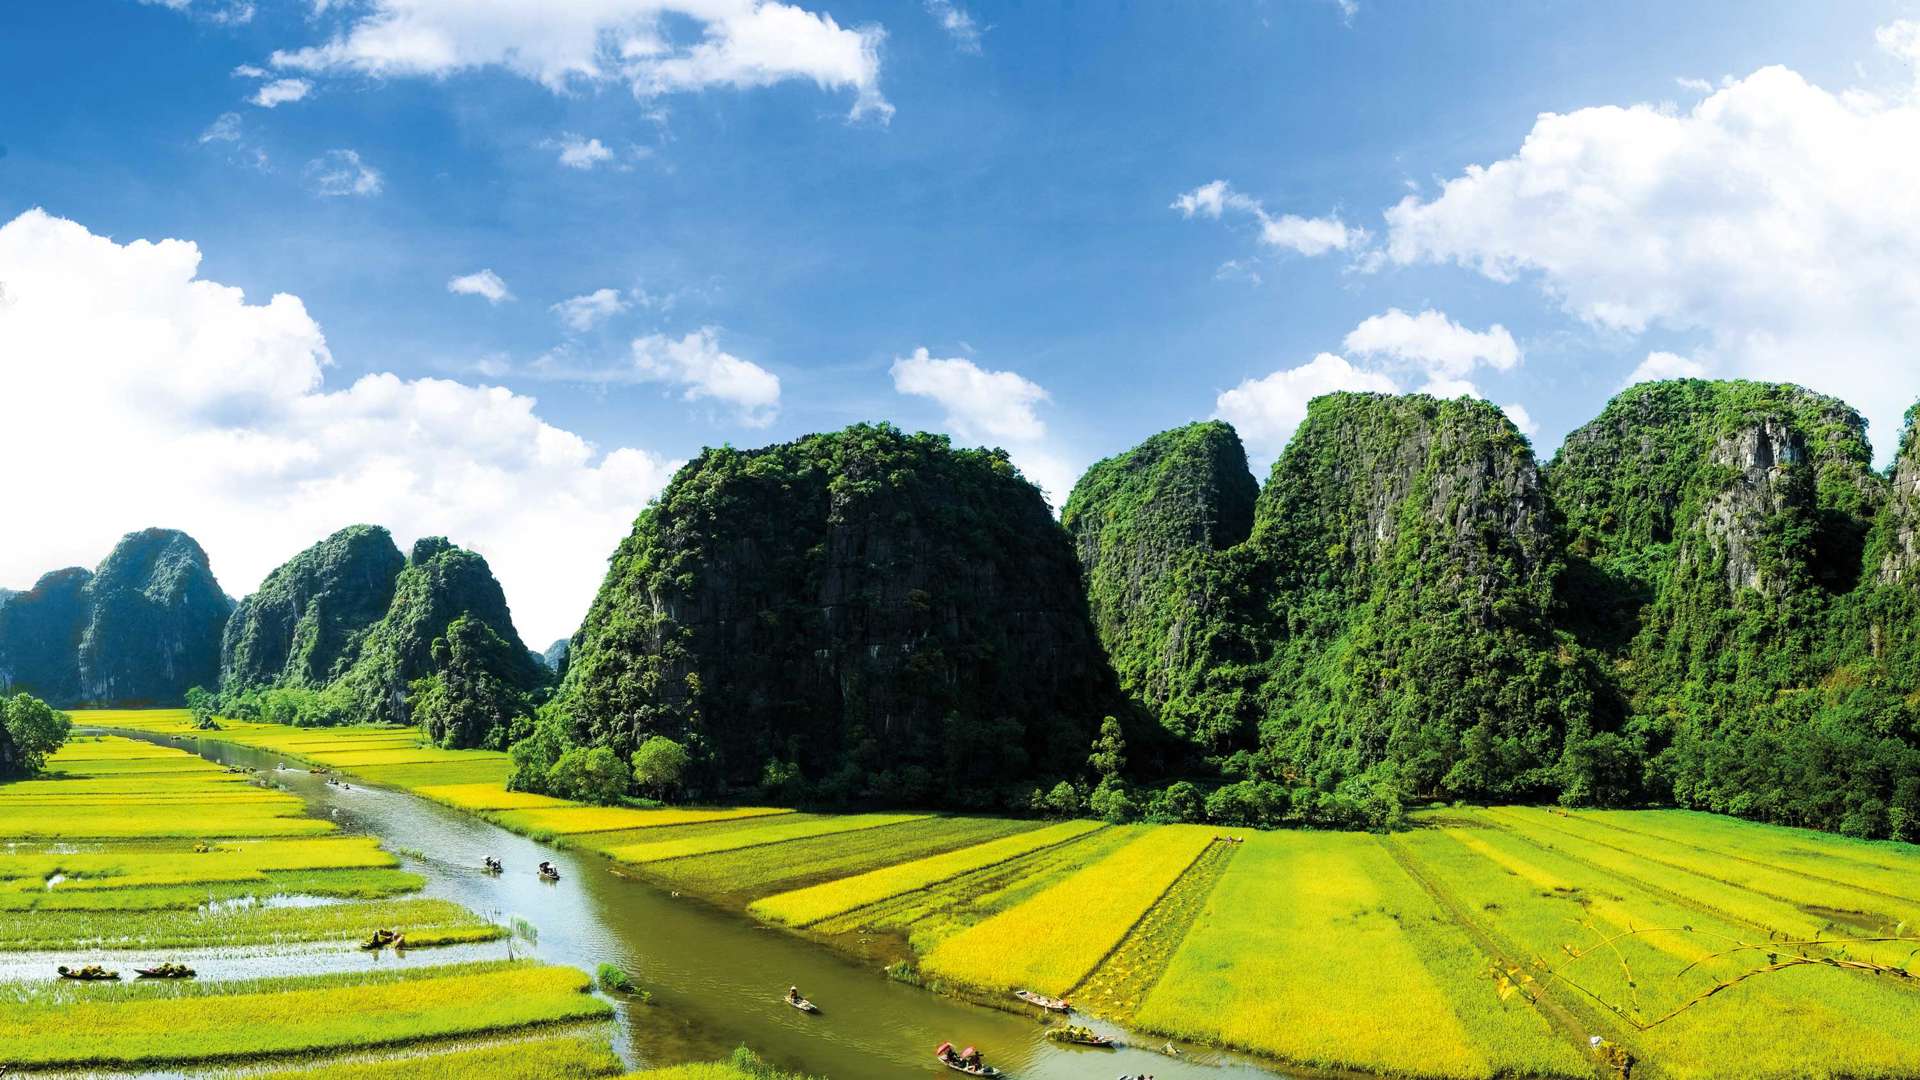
(716, 978)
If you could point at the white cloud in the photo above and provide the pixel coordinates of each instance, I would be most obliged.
(1308, 236)
(958, 23)
(1697, 86)
(583, 313)
(225, 128)
(740, 44)
(482, 283)
(1901, 38)
(1522, 419)
(980, 404)
(1774, 221)
(1666, 365)
(218, 12)
(341, 172)
(992, 408)
(280, 92)
(702, 370)
(579, 152)
(211, 414)
(1434, 343)
(1267, 410)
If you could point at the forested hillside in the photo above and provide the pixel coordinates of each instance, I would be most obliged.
(141, 629)
(857, 615)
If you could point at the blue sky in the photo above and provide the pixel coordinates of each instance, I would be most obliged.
(1098, 221)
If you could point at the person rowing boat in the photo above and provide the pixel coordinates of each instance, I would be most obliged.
(794, 999)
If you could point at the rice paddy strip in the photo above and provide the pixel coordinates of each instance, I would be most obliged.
(804, 907)
(571, 1056)
(488, 797)
(131, 1026)
(1879, 865)
(1305, 979)
(776, 833)
(1819, 1022)
(425, 922)
(744, 874)
(1740, 891)
(1051, 942)
(567, 820)
(100, 822)
(1115, 988)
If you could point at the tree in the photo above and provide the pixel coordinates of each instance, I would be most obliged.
(35, 730)
(1109, 757)
(535, 756)
(659, 766)
(588, 774)
(201, 704)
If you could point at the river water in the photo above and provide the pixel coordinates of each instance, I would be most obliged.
(716, 977)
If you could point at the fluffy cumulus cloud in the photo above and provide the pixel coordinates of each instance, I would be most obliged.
(1773, 223)
(1666, 365)
(482, 283)
(218, 12)
(652, 46)
(1433, 342)
(209, 413)
(958, 23)
(342, 172)
(583, 313)
(280, 92)
(1288, 232)
(1267, 410)
(580, 152)
(992, 408)
(702, 371)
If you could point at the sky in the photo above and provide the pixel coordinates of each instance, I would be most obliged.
(494, 270)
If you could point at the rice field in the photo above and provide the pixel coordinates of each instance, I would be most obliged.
(1483, 943)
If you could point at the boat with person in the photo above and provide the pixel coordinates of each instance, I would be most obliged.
(1079, 1036)
(89, 973)
(967, 1061)
(794, 999)
(1051, 1004)
(548, 872)
(167, 970)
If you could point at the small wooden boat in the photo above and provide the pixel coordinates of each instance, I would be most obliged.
(802, 1004)
(1051, 1004)
(165, 971)
(945, 1055)
(1079, 1036)
(549, 875)
(382, 939)
(90, 973)
(491, 866)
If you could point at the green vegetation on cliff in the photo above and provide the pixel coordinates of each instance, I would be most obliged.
(303, 626)
(349, 632)
(857, 615)
(141, 629)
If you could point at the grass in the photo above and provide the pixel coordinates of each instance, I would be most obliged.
(566, 820)
(424, 921)
(805, 828)
(488, 797)
(131, 1026)
(569, 1056)
(1051, 942)
(804, 907)
(743, 1065)
(746, 873)
(1306, 979)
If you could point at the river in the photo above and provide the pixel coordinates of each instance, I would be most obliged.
(716, 977)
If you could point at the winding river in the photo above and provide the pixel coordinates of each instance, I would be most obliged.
(716, 977)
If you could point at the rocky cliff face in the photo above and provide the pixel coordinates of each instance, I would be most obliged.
(1900, 554)
(893, 617)
(40, 631)
(303, 626)
(439, 585)
(155, 624)
(1411, 558)
(1147, 526)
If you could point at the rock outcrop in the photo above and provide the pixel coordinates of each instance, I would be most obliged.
(439, 586)
(890, 616)
(1147, 525)
(140, 630)
(40, 631)
(304, 624)
(1900, 554)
